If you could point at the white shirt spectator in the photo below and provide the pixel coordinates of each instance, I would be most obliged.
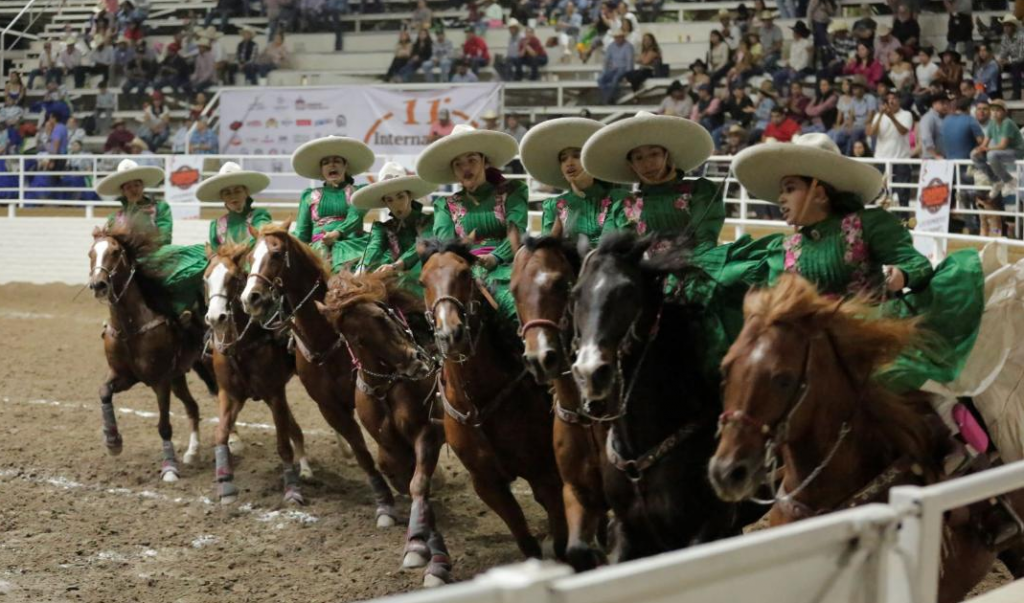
(70, 58)
(800, 52)
(890, 143)
(926, 73)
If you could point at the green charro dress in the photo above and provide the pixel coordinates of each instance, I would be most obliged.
(327, 209)
(582, 214)
(395, 240)
(844, 254)
(182, 265)
(233, 227)
(487, 212)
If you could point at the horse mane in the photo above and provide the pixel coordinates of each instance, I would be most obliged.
(430, 246)
(234, 252)
(346, 289)
(140, 245)
(865, 340)
(301, 248)
(567, 247)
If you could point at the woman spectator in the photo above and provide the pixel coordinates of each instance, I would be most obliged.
(864, 63)
(951, 71)
(198, 106)
(422, 50)
(718, 57)
(738, 110)
(743, 65)
(156, 122)
(901, 73)
(14, 89)
(274, 56)
(698, 74)
(925, 71)
(403, 53)
(821, 112)
(797, 104)
(421, 17)
(649, 63)
(820, 12)
(755, 47)
(861, 150)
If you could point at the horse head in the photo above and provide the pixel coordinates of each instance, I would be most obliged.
(282, 267)
(225, 278)
(114, 257)
(450, 294)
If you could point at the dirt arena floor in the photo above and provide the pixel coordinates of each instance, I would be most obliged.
(77, 525)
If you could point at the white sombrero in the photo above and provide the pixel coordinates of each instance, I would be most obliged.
(435, 162)
(544, 142)
(127, 171)
(306, 159)
(392, 179)
(761, 168)
(231, 174)
(605, 154)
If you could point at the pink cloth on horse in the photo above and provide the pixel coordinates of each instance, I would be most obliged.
(971, 431)
(483, 250)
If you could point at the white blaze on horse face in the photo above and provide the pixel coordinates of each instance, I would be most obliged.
(543, 278)
(218, 305)
(759, 352)
(101, 249)
(589, 359)
(258, 256)
(542, 342)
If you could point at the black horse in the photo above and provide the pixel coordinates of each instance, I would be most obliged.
(640, 366)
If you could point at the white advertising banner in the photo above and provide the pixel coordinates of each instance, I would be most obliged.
(181, 183)
(934, 197)
(275, 121)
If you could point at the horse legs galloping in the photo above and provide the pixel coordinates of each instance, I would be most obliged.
(180, 388)
(169, 466)
(547, 490)
(235, 444)
(298, 442)
(227, 410)
(283, 422)
(583, 524)
(424, 543)
(114, 384)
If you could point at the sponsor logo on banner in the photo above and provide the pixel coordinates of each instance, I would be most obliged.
(303, 122)
(180, 186)
(935, 195)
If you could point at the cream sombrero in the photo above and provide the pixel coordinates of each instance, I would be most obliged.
(605, 154)
(762, 167)
(544, 142)
(435, 162)
(127, 171)
(306, 159)
(392, 179)
(231, 174)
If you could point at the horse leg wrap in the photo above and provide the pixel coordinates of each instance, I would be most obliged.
(419, 528)
(440, 567)
(225, 474)
(110, 432)
(170, 463)
(291, 486)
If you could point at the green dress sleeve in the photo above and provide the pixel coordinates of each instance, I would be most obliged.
(444, 226)
(373, 256)
(164, 222)
(353, 224)
(549, 215)
(260, 218)
(616, 219)
(214, 241)
(410, 258)
(708, 213)
(516, 212)
(889, 242)
(303, 228)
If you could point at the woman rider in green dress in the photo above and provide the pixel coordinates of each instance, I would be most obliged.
(327, 221)
(484, 206)
(392, 245)
(235, 188)
(182, 265)
(845, 249)
(551, 152)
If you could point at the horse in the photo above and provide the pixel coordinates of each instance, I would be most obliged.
(141, 340)
(285, 277)
(394, 388)
(799, 384)
(496, 418)
(638, 366)
(249, 361)
(543, 272)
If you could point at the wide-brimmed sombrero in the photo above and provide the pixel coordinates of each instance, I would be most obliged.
(306, 159)
(391, 180)
(762, 167)
(231, 174)
(605, 154)
(544, 142)
(435, 162)
(128, 171)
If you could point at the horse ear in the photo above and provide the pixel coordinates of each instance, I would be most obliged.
(469, 239)
(513, 237)
(582, 245)
(287, 225)
(209, 250)
(321, 307)
(97, 232)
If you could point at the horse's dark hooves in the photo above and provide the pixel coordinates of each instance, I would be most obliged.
(584, 558)
(114, 444)
(292, 495)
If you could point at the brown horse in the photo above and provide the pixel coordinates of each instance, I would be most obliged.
(543, 273)
(285, 281)
(249, 362)
(394, 388)
(496, 418)
(798, 381)
(142, 342)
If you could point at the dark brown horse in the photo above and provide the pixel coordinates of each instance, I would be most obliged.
(142, 340)
(543, 273)
(249, 362)
(285, 281)
(394, 390)
(496, 418)
(640, 366)
(799, 383)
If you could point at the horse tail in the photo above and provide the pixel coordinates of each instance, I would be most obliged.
(204, 369)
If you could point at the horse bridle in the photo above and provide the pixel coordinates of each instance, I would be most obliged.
(116, 297)
(466, 311)
(394, 376)
(222, 346)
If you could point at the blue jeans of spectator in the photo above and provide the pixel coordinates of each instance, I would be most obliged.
(155, 141)
(475, 63)
(812, 129)
(196, 87)
(996, 164)
(333, 10)
(844, 139)
(1016, 71)
(787, 75)
(534, 62)
(787, 9)
(138, 84)
(609, 84)
(445, 65)
(770, 62)
(52, 75)
(176, 83)
(256, 70)
(405, 73)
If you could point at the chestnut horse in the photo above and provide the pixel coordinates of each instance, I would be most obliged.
(394, 390)
(543, 273)
(285, 281)
(143, 341)
(798, 382)
(249, 362)
(496, 418)
(639, 366)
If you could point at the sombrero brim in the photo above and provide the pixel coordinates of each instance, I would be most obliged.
(371, 196)
(435, 162)
(111, 185)
(761, 168)
(544, 142)
(306, 159)
(209, 190)
(605, 154)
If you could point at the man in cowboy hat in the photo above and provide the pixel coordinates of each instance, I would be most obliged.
(771, 40)
(961, 25)
(246, 53)
(905, 27)
(730, 31)
(929, 130)
(841, 47)
(801, 58)
(885, 43)
(735, 140)
(618, 61)
(490, 118)
(1011, 52)
(505, 66)
(173, 70)
(677, 102)
(204, 69)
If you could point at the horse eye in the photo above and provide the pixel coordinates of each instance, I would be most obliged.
(783, 382)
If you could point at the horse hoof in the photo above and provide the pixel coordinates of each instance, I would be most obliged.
(114, 450)
(227, 492)
(229, 499)
(170, 476)
(294, 497)
(305, 471)
(114, 443)
(386, 521)
(432, 581)
(437, 574)
(414, 560)
(584, 558)
(235, 444)
(190, 457)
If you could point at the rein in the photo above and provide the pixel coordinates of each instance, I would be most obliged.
(465, 314)
(380, 391)
(116, 297)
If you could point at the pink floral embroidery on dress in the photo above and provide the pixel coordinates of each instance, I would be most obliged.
(457, 211)
(605, 204)
(499, 206)
(633, 208)
(562, 207)
(793, 246)
(856, 255)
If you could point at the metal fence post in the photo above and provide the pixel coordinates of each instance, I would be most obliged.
(918, 550)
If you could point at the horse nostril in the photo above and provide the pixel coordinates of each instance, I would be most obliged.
(601, 378)
(549, 360)
(738, 474)
(220, 318)
(254, 297)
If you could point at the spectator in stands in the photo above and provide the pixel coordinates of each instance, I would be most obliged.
(852, 123)
(796, 104)
(961, 25)
(505, 65)
(901, 74)
(801, 58)
(513, 127)
(606, 22)
(403, 52)
(885, 45)
(841, 48)
(332, 12)
(743, 66)
(987, 74)
(982, 112)
(283, 14)
(198, 107)
(56, 136)
(463, 75)
(698, 74)
(70, 63)
(730, 31)
(274, 56)
(737, 109)
(475, 52)
(960, 132)
(78, 164)
(118, 139)
(46, 66)
(649, 10)
(1002, 146)
(707, 111)
(568, 27)
(925, 72)
(441, 127)
(618, 61)
(490, 118)
(156, 122)
(138, 147)
(929, 135)
(719, 56)
(820, 12)
(179, 140)
(203, 140)
(138, 75)
(123, 54)
(15, 89)
(677, 102)
(203, 70)
(906, 29)
(861, 150)
(531, 54)
(101, 56)
(422, 17)
(649, 63)
(891, 127)
(75, 132)
(1011, 53)
(951, 71)
(864, 63)
(173, 71)
(422, 50)
(765, 100)
(735, 140)
(743, 18)
(10, 113)
(440, 57)
(246, 54)
(106, 104)
(864, 28)
(493, 17)
(770, 36)
(781, 127)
